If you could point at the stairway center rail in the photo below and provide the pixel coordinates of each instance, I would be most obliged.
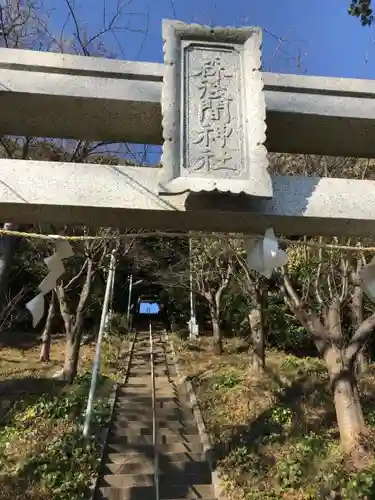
(154, 421)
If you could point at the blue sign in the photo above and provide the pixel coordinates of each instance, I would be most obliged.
(149, 308)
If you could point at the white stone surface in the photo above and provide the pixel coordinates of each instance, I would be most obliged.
(55, 95)
(126, 197)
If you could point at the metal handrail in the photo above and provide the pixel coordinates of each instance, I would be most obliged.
(154, 420)
(102, 327)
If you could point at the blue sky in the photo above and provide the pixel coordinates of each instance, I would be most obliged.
(320, 37)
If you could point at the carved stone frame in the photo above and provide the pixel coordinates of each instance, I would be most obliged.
(248, 40)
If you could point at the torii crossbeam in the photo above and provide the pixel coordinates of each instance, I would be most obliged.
(53, 95)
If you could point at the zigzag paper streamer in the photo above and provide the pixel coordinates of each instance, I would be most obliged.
(265, 255)
(56, 269)
(36, 307)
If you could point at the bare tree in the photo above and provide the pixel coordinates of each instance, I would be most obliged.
(322, 288)
(73, 295)
(75, 289)
(254, 291)
(28, 25)
(331, 280)
(212, 267)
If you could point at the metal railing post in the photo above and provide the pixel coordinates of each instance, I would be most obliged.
(129, 301)
(154, 421)
(95, 368)
(110, 302)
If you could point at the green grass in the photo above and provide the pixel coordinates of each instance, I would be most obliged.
(43, 455)
(275, 434)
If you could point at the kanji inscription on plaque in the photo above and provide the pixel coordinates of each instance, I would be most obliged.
(213, 111)
(212, 120)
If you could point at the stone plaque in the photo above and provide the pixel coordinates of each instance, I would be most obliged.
(213, 111)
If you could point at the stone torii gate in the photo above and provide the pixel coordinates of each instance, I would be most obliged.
(214, 111)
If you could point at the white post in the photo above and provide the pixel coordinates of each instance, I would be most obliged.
(129, 299)
(110, 301)
(95, 368)
(193, 327)
(111, 295)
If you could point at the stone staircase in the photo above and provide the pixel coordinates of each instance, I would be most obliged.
(128, 473)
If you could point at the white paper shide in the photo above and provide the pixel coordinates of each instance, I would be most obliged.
(264, 255)
(56, 269)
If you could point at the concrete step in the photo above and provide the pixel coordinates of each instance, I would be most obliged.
(123, 447)
(185, 415)
(145, 400)
(127, 480)
(203, 492)
(174, 478)
(164, 435)
(139, 363)
(179, 400)
(139, 372)
(139, 382)
(145, 393)
(129, 468)
(161, 404)
(177, 433)
(142, 453)
(123, 408)
(140, 457)
(122, 415)
(137, 439)
(188, 427)
(161, 380)
(135, 397)
(196, 467)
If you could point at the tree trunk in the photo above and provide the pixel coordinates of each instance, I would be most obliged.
(348, 411)
(8, 246)
(46, 336)
(363, 361)
(218, 342)
(258, 334)
(346, 399)
(345, 392)
(216, 330)
(357, 313)
(343, 382)
(72, 350)
(340, 361)
(69, 371)
(73, 325)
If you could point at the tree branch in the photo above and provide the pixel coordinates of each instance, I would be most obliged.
(77, 276)
(360, 337)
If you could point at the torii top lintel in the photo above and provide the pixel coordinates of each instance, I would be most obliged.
(55, 95)
(47, 94)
